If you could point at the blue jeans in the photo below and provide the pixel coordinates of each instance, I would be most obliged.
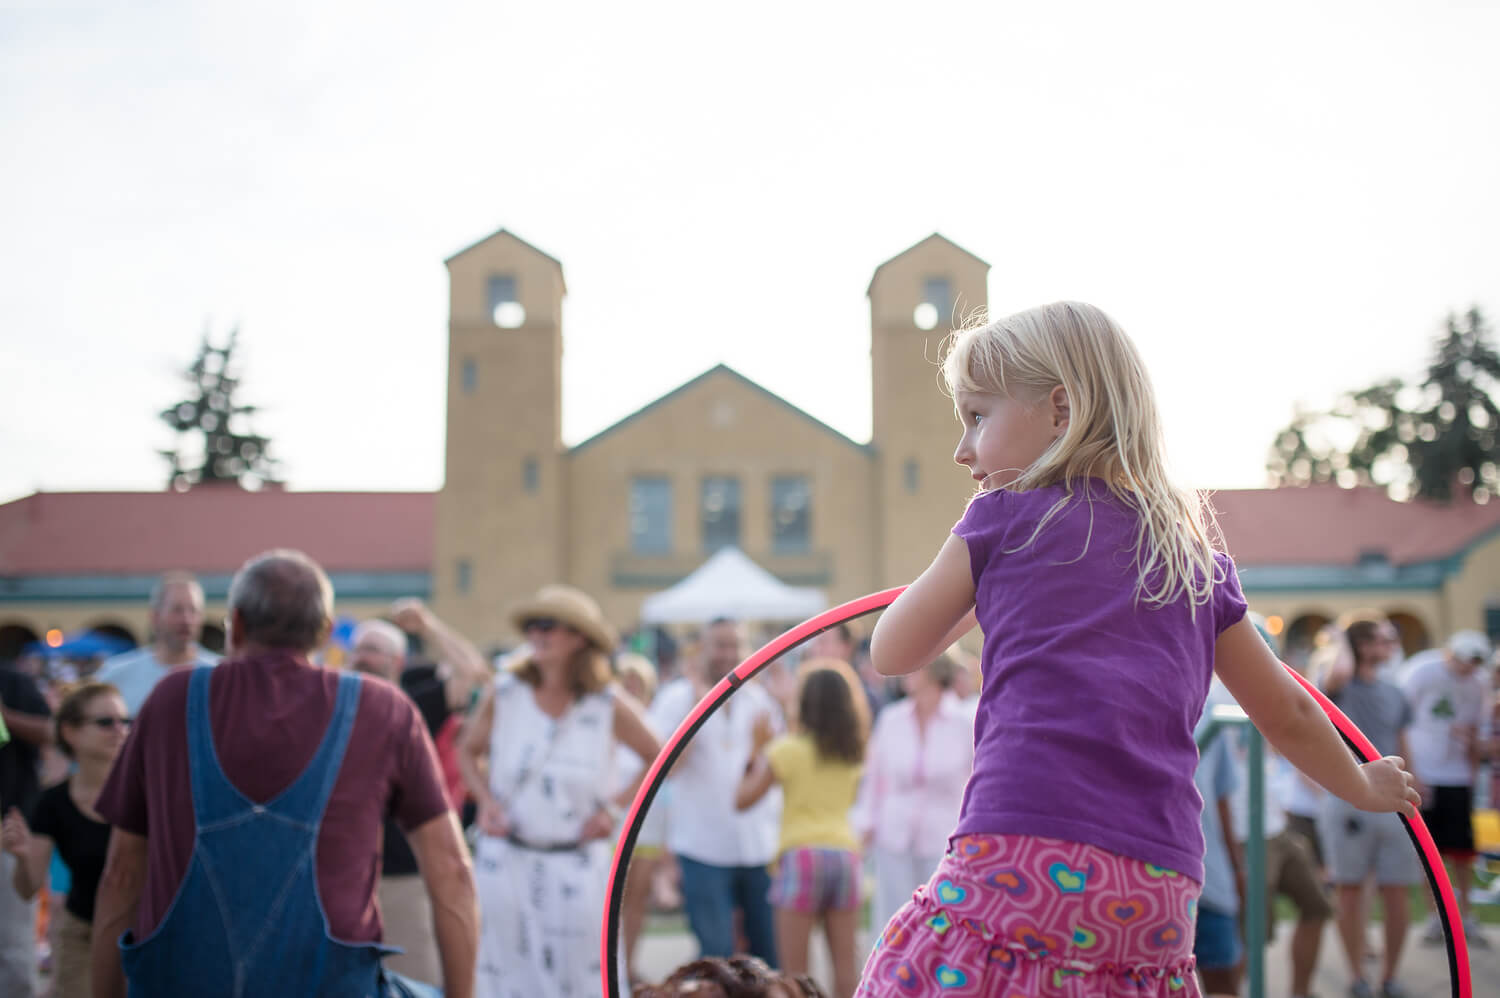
(710, 894)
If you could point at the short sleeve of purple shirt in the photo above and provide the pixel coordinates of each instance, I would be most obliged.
(982, 528)
(1228, 600)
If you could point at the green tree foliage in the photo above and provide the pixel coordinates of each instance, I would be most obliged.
(229, 454)
(1436, 439)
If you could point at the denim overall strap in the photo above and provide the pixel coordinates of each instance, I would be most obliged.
(216, 800)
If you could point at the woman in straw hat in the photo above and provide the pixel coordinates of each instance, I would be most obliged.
(538, 755)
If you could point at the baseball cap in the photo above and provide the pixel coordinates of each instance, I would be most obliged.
(1467, 646)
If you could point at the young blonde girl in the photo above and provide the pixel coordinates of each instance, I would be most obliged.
(1077, 860)
(818, 767)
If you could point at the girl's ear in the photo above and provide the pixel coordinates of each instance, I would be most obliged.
(1058, 400)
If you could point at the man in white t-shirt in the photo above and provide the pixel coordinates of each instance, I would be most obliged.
(176, 620)
(1449, 698)
(722, 853)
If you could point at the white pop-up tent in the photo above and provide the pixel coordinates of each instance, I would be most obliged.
(730, 584)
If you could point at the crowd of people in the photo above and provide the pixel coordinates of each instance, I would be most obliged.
(537, 760)
(1436, 709)
(797, 810)
(430, 820)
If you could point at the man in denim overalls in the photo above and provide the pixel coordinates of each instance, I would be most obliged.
(257, 790)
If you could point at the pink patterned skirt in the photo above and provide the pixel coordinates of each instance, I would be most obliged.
(1016, 915)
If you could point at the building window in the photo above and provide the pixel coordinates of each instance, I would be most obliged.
(651, 515)
(464, 576)
(506, 310)
(530, 475)
(790, 516)
(721, 513)
(936, 305)
(470, 375)
(913, 480)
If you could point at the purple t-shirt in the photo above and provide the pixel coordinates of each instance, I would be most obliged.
(1084, 730)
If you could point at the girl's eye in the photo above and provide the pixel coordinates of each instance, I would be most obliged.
(975, 418)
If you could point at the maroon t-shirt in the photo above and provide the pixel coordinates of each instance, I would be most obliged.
(268, 716)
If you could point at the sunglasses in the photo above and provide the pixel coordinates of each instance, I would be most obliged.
(543, 624)
(108, 723)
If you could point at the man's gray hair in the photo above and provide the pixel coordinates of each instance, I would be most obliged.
(284, 600)
(166, 583)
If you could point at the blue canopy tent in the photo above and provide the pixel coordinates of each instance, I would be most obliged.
(85, 645)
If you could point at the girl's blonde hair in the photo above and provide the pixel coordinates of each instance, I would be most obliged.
(1114, 432)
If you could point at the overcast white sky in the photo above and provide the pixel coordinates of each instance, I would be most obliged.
(1278, 201)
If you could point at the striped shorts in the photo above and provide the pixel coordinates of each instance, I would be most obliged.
(809, 879)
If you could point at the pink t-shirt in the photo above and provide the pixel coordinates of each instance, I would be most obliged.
(268, 716)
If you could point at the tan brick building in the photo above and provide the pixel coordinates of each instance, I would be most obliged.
(719, 460)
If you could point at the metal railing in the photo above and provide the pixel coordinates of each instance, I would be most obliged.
(1229, 716)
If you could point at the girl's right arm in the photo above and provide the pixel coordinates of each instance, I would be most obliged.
(1296, 726)
(474, 749)
(930, 615)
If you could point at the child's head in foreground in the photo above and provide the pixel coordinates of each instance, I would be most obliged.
(1072, 374)
(1058, 394)
(734, 977)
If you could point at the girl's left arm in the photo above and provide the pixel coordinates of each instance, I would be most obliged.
(933, 612)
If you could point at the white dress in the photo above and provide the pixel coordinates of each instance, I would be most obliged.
(542, 909)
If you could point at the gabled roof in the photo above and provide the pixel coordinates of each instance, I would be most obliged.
(922, 242)
(212, 529)
(718, 369)
(1328, 525)
(506, 232)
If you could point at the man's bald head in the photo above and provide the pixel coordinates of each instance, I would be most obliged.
(281, 599)
(378, 648)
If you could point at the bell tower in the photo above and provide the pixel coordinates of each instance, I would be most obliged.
(500, 513)
(916, 299)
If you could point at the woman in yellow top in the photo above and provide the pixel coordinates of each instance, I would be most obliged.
(818, 767)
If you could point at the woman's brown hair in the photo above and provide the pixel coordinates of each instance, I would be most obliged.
(588, 672)
(831, 709)
(74, 707)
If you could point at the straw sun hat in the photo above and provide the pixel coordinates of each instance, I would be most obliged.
(571, 607)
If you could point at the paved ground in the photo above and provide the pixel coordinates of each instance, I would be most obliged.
(1424, 968)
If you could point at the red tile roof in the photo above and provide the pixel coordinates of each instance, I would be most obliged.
(1327, 525)
(212, 530)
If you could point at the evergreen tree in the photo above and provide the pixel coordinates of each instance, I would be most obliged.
(229, 455)
(1436, 439)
